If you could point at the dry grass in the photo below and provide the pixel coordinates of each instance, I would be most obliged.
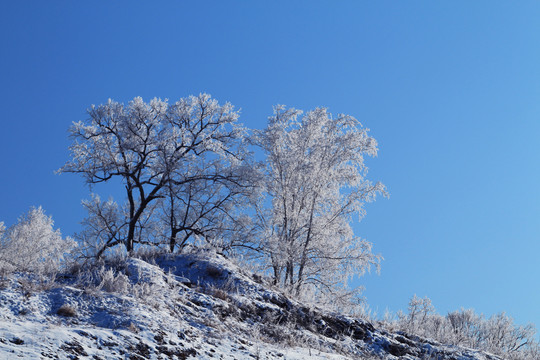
(214, 271)
(67, 310)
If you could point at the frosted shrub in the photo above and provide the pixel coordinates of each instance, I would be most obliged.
(497, 334)
(33, 245)
(4, 266)
(465, 327)
(504, 338)
(419, 314)
(111, 282)
(145, 291)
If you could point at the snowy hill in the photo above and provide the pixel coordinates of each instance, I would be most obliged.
(195, 306)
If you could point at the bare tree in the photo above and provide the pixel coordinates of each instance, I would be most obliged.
(106, 226)
(146, 145)
(203, 198)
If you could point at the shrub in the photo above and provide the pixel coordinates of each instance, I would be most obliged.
(33, 245)
(219, 294)
(111, 282)
(214, 271)
(67, 311)
(497, 334)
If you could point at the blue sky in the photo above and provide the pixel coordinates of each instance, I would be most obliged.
(451, 90)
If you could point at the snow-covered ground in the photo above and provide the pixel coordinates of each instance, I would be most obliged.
(198, 306)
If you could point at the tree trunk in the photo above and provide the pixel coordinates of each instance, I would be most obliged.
(134, 215)
(172, 240)
(304, 250)
(130, 238)
(131, 226)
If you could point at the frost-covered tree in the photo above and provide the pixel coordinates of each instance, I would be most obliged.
(33, 245)
(203, 198)
(149, 147)
(315, 179)
(104, 227)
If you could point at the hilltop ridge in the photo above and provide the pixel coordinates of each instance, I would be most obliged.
(189, 306)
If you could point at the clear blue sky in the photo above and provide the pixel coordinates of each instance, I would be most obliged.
(451, 90)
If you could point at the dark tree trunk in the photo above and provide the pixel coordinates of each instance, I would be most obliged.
(172, 239)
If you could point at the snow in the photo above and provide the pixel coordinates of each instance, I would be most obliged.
(187, 306)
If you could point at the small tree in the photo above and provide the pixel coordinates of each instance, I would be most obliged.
(147, 146)
(33, 245)
(105, 226)
(315, 180)
(420, 311)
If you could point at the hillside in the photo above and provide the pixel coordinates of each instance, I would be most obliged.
(193, 306)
